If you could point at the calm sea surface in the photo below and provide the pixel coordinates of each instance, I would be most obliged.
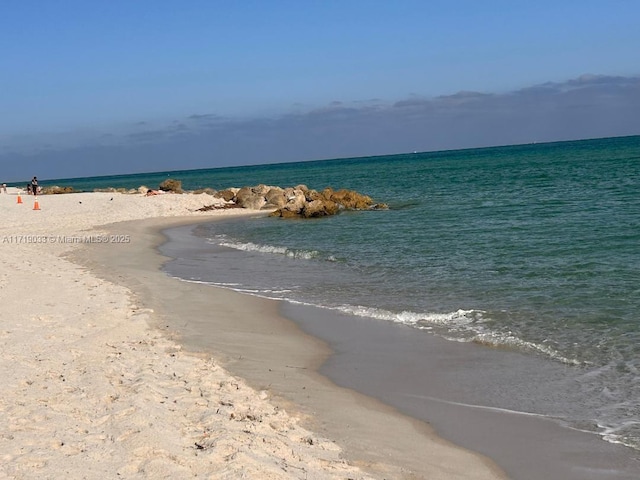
(534, 248)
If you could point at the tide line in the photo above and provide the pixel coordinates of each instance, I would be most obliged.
(478, 407)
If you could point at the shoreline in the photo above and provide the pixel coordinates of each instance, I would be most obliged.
(276, 356)
(91, 390)
(428, 378)
(387, 362)
(110, 365)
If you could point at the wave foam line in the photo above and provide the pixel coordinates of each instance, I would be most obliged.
(232, 286)
(464, 323)
(204, 282)
(418, 320)
(478, 407)
(498, 339)
(287, 252)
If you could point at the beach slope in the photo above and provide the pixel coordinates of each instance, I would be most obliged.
(95, 386)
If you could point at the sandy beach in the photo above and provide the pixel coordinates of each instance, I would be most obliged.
(98, 383)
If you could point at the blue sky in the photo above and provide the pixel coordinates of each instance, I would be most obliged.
(102, 87)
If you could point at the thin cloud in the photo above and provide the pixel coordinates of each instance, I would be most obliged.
(589, 106)
(205, 117)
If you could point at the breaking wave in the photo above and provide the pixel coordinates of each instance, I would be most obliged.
(270, 249)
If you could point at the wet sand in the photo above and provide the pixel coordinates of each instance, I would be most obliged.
(430, 378)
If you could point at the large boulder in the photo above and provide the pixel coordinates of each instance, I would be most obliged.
(275, 197)
(352, 200)
(250, 197)
(171, 185)
(327, 192)
(312, 195)
(227, 195)
(242, 194)
(295, 201)
(261, 189)
(320, 208)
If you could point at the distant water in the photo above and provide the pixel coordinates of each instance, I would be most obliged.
(534, 248)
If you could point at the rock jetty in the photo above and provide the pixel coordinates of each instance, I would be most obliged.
(298, 201)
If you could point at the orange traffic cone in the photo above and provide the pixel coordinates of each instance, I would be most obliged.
(36, 205)
(19, 199)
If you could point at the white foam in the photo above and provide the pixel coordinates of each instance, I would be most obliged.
(462, 325)
(459, 326)
(478, 407)
(509, 340)
(418, 320)
(287, 252)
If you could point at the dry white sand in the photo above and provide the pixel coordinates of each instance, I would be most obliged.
(90, 390)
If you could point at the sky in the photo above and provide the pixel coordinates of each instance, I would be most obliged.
(106, 87)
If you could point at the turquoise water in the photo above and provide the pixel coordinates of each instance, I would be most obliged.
(534, 248)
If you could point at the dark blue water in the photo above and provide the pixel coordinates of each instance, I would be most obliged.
(534, 248)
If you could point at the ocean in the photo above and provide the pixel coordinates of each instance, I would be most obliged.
(529, 248)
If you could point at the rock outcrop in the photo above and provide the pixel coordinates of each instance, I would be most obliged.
(171, 185)
(227, 195)
(251, 197)
(54, 190)
(276, 197)
(291, 202)
(298, 201)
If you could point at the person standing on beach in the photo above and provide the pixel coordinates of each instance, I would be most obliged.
(34, 186)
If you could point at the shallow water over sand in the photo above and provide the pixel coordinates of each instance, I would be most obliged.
(532, 249)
